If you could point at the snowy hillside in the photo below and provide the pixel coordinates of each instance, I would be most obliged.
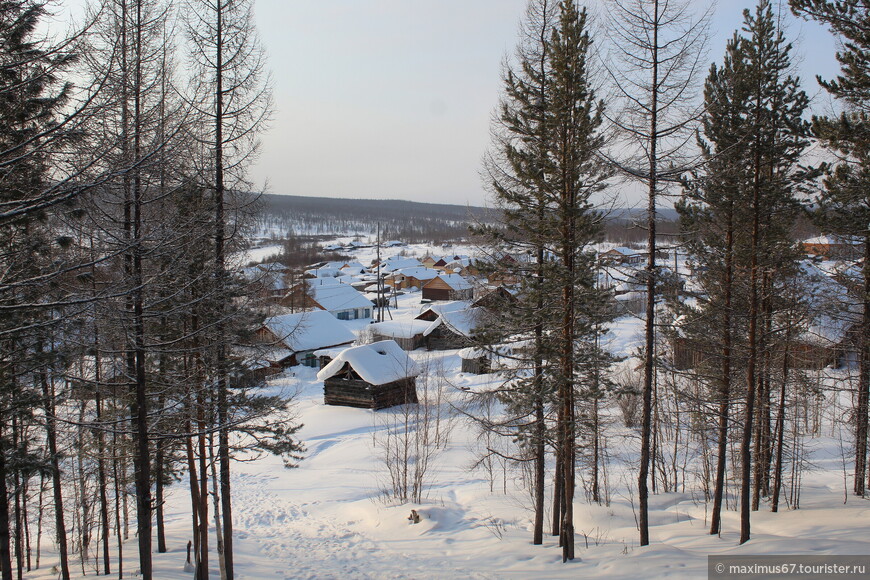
(332, 516)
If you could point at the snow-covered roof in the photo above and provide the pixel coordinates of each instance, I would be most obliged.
(309, 330)
(463, 322)
(455, 281)
(830, 240)
(420, 273)
(397, 263)
(624, 251)
(330, 352)
(400, 328)
(377, 363)
(311, 282)
(324, 272)
(334, 297)
(459, 264)
(262, 357)
(440, 307)
(473, 352)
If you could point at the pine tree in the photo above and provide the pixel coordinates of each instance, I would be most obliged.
(544, 171)
(845, 203)
(518, 183)
(31, 100)
(739, 218)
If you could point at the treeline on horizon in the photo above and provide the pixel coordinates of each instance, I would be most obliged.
(417, 222)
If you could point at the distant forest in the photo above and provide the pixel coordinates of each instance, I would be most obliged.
(409, 221)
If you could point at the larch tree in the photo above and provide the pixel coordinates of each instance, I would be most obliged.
(232, 96)
(657, 51)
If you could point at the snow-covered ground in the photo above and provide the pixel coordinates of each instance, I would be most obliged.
(330, 518)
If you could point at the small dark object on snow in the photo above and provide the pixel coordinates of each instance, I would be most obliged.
(414, 517)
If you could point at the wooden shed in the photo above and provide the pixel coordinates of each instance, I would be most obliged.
(475, 361)
(371, 376)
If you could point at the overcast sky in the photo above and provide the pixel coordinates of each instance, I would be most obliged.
(392, 98)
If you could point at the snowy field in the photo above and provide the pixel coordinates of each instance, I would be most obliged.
(329, 518)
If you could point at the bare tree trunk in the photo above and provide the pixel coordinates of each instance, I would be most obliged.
(16, 481)
(780, 423)
(649, 334)
(116, 460)
(5, 544)
(861, 412)
(557, 496)
(51, 439)
(540, 466)
(751, 374)
(158, 497)
(101, 440)
(26, 525)
(139, 410)
(725, 381)
(219, 540)
(41, 505)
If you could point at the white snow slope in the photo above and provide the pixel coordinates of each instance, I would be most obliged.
(329, 517)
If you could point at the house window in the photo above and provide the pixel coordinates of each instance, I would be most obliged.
(310, 360)
(367, 313)
(343, 315)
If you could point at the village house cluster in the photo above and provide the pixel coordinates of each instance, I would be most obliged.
(341, 317)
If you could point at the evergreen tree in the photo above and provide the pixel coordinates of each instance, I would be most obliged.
(845, 202)
(544, 171)
(738, 218)
(32, 96)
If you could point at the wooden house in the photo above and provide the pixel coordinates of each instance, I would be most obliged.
(453, 329)
(622, 255)
(291, 339)
(341, 300)
(448, 287)
(831, 247)
(395, 263)
(825, 338)
(431, 312)
(370, 376)
(267, 281)
(685, 354)
(495, 299)
(463, 266)
(408, 334)
(410, 277)
(428, 261)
